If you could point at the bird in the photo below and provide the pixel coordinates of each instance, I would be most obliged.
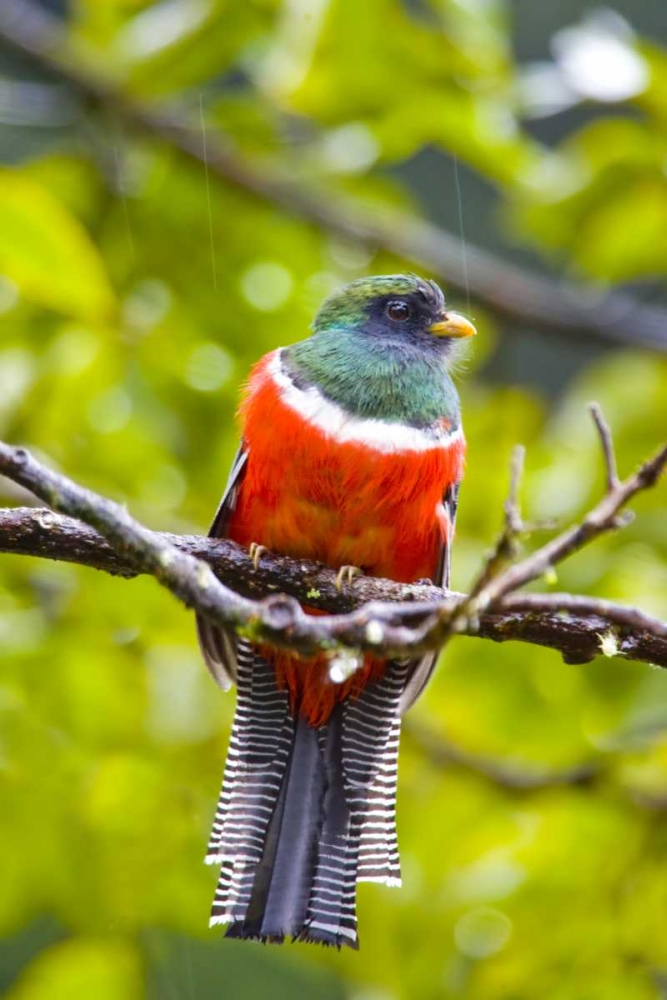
(352, 452)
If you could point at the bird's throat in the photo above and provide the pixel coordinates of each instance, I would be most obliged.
(381, 381)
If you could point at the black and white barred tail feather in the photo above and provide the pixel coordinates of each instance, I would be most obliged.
(305, 813)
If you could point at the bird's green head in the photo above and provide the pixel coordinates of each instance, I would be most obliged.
(382, 348)
(394, 308)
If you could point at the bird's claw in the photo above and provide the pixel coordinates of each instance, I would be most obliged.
(346, 575)
(256, 551)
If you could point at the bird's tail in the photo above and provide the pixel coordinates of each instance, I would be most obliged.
(305, 813)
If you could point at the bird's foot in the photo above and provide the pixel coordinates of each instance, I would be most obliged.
(256, 551)
(346, 575)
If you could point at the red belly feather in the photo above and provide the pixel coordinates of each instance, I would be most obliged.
(305, 495)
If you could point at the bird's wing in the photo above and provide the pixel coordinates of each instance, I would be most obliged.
(423, 668)
(219, 644)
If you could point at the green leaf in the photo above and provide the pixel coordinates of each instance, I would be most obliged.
(48, 254)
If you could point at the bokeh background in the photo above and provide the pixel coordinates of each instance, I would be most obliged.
(135, 292)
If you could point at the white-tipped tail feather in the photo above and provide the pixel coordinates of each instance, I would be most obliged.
(304, 813)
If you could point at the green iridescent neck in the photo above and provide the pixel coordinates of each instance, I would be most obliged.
(376, 379)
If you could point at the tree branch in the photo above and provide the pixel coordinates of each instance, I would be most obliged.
(516, 777)
(568, 623)
(377, 616)
(507, 290)
(607, 515)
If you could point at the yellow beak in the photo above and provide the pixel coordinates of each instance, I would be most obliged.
(452, 325)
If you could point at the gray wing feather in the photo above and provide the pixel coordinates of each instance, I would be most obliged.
(422, 669)
(219, 645)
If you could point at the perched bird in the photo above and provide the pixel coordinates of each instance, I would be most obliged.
(352, 452)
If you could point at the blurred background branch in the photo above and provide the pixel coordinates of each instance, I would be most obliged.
(512, 292)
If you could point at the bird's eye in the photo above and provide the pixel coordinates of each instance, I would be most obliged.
(398, 310)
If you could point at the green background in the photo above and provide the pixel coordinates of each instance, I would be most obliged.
(133, 300)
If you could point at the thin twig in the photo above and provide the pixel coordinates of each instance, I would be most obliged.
(577, 604)
(509, 291)
(513, 520)
(607, 445)
(505, 548)
(603, 517)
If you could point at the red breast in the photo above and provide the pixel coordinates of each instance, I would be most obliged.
(308, 495)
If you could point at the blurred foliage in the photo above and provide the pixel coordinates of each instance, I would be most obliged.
(126, 326)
